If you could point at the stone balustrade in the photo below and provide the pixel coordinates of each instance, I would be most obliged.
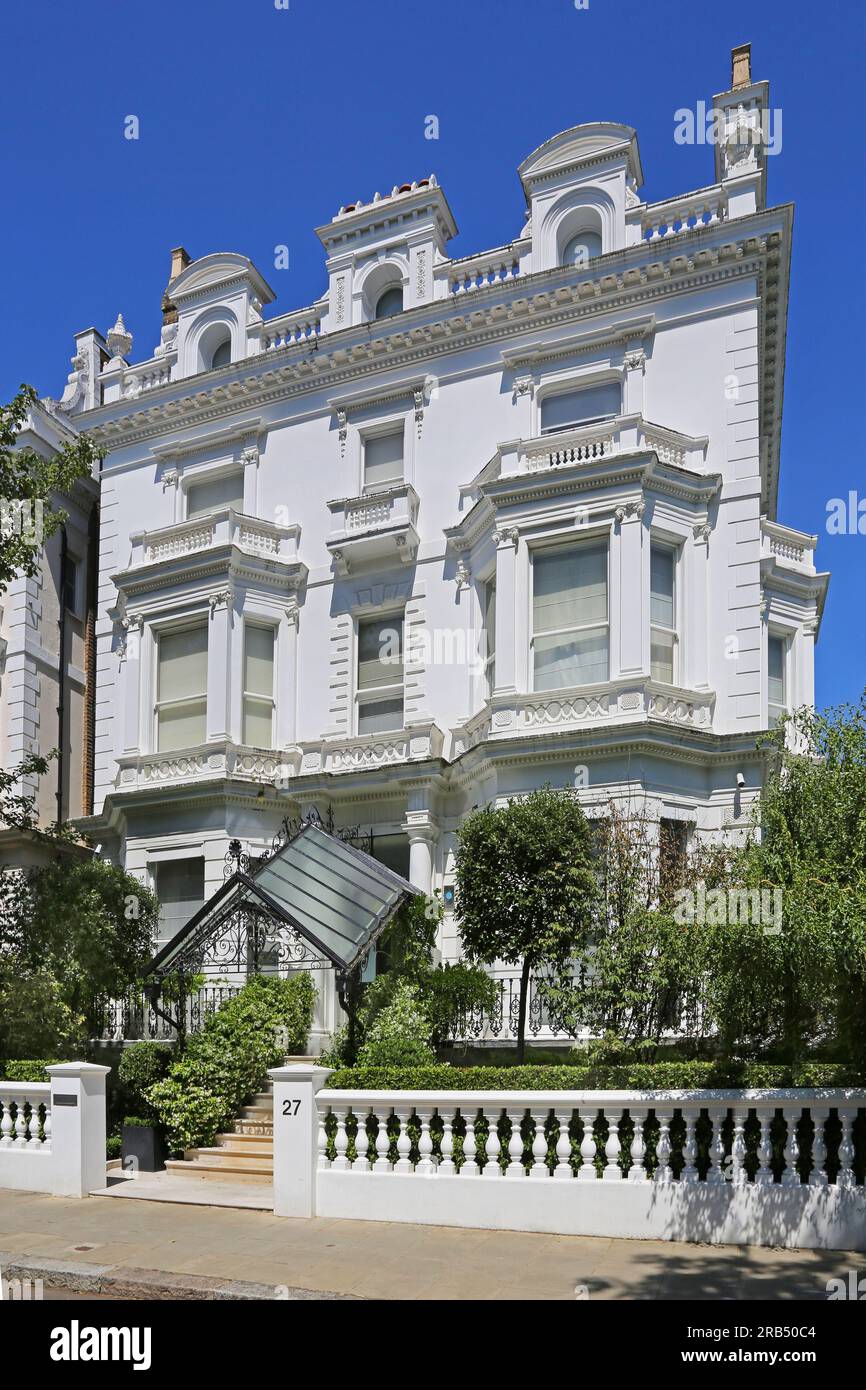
(789, 547)
(25, 1115)
(478, 272)
(52, 1133)
(693, 211)
(766, 1167)
(592, 443)
(304, 325)
(224, 527)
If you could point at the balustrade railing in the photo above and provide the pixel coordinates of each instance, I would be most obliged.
(785, 1139)
(133, 1018)
(500, 1023)
(25, 1115)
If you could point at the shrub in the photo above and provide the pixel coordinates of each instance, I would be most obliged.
(141, 1067)
(26, 1070)
(228, 1060)
(113, 1146)
(452, 993)
(137, 1121)
(637, 1077)
(400, 1035)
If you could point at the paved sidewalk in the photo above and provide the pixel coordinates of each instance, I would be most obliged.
(393, 1261)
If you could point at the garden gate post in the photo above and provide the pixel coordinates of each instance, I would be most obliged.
(78, 1127)
(296, 1131)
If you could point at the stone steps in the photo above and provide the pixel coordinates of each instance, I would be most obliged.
(244, 1154)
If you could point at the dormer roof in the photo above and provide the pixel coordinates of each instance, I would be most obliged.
(221, 269)
(408, 206)
(579, 147)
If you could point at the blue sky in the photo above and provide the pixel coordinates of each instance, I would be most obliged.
(256, 123)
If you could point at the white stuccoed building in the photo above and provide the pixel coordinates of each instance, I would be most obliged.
(460, 528)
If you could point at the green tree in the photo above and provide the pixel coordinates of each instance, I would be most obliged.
(805, 985)
(526, 887)
(28, 485)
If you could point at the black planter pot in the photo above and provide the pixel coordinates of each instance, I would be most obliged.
(142, 1149)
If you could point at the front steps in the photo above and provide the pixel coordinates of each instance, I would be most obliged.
(246, 1155)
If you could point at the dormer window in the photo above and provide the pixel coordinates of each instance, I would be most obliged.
(583, 247)
(566, 410)
(390, 302)
(222, 354)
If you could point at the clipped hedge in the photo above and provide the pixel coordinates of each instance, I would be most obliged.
(27, 1070)
(228, 1060)
(639, 1076)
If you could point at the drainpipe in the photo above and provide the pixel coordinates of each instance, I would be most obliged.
(61, 685)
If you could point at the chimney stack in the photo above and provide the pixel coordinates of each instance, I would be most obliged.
(180, 259)
(741, 66)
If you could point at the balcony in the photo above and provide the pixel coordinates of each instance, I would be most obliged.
(208, 762)
(356, 754)
(618, 702)
(594, 443)
(374, 529)
(790, 549)
(214, 543)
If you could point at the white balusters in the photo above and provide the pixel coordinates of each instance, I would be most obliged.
(322, 1160)
(7, 1125)
(362, 1140)
(469, 1167)
(515, 1167)
(446, 1146)
(738, 1149)
(845, 1177)
(689, 1171)
(493, 1146)
(637, 1172)
(790, 1175)
(612, 1171)
(818, 1175)
(764, 1175)
(539, 1167)
(664, 1173)
(586, 1172)
(404, 1144)
(425, 1164)
(23, 1129)
(563, 1146)
(341, 1141)
(21, 1125)
(716, 1171)
(381, 1162)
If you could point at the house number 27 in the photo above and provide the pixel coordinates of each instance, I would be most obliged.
(291, 1107)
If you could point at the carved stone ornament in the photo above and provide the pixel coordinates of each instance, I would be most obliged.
(223, 599)
(119, 341)
(463, 573)
(523, 386)
(635, 360)
(342, 429)
(506, 535)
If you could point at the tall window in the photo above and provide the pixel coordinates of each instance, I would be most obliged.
(569, 616)
(383, 460)
(582, 248)
(258, 724)
(179, 885)
(390, 302)
(211, 494)
(380, 674)
(663, 632)
(567, 409)
(776, 684)
(181, 689)
(489, 635)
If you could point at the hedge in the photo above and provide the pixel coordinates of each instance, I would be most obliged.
(639, 1076)
(27, 1070)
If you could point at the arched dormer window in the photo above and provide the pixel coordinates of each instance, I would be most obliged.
(582, 248)
(390, 302)
(222, 353)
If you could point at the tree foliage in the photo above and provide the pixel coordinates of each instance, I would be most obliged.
(527, 891)
(29, 479)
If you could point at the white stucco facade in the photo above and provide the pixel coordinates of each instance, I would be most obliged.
(679, 322)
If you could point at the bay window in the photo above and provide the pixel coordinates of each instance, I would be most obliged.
(663, 631)
(383, 460)
(181, 688)
(258, 697)
(380, 674)
(570, 638)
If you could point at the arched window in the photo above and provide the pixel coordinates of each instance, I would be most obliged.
(583, 247)
(222, 354)
(390, 302)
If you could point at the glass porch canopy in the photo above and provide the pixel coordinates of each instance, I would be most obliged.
(315, 902)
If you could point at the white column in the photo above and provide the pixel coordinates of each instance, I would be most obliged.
(694, 624)
(296, 1131)
(506, 541)
(130, 683)
(421, 859)
(219, 666)
(632, 604)
(286, 690)
(78, 1128)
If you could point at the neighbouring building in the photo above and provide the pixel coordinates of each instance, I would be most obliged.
(460, 528)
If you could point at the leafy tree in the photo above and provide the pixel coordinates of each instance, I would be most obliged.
(526, 887)
(804, 986)
(27, 482)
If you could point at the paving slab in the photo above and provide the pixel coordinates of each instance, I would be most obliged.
(154, 1249)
